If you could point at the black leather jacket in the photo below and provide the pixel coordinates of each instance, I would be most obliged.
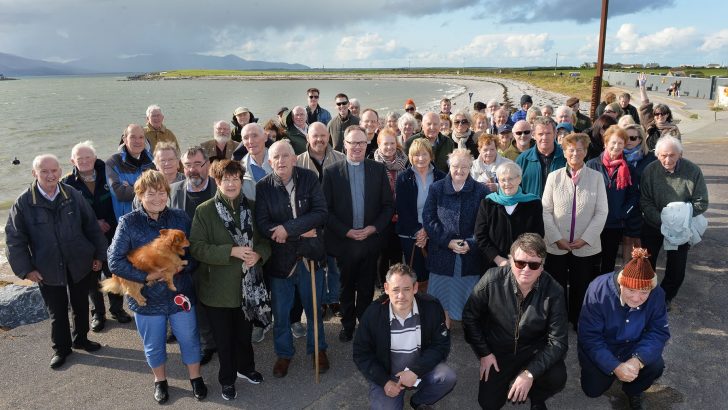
(495, 322)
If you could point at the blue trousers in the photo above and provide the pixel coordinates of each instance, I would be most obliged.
(332, 283)
(153, 331)
(283, 291)
(434, 386)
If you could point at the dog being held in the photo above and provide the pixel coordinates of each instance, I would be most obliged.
(160, 259)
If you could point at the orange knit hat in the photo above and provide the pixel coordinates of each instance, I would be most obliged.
(409, 102)
(638, 273)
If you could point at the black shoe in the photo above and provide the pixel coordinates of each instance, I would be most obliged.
(229, 393)
(58, 360)
(251, 377)
(121, 316)
(538, 405)
(635, 402)
(161, 395)
(97, 323)
(207, 356)
(87, 345)
(420, 406)
(668, 305)
(345, 336)
(199, 390)
(335, 310)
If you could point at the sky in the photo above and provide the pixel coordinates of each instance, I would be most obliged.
(372, 33)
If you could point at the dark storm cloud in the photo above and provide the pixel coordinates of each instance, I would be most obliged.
(579, 11)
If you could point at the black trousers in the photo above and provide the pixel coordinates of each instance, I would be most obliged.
(56, 299)
(391, 252)
(358, 272)
(610, 239)
(574, 274)
(677, 260)
(232, 335)
(96, 298)
(594, 382)
(207, 340)
(494, 393)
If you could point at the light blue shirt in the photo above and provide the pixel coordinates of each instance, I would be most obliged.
(422, 191)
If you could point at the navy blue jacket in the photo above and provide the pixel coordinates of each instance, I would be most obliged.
(100, 199)
(621, 202)
(633, 225)
(405, 200)
(451, 215)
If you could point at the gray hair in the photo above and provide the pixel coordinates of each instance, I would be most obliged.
(253, 125)
(40, 158)
(406, 119)
(463, 113)
(544, 121)
(284, 144)
(492, 102)
(354, 102)
(194, 150)
(668, 140)
(509, 168)
(392, 115)
(566, 109)
(153, 108)
(459, 153)
(166, 146)
(88, 144)
(401, 269)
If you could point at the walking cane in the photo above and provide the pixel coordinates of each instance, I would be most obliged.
(312, 269)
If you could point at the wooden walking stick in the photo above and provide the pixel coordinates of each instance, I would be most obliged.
(312, 269)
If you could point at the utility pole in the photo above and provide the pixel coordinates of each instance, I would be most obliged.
(597, 81)
(557, 62)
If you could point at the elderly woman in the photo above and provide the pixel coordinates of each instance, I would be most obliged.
(163, 305)
(656, 118)
(622, 194)
(596, 135)
(532, 114)
(547, 111)
(445, 124)
(574, 212)
(166, 160)
(463, 136)
(231, 253)
(411, 192)
(390, 121)
(407, 125)
(504, 215)
(480, 122)
(613, 110)
(449, 220)
(484, 167)
(500, 118)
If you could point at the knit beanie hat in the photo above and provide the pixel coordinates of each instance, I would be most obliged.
(409, 102)
(638, 273)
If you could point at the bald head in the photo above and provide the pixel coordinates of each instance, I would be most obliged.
(134, 139)
(431, 125)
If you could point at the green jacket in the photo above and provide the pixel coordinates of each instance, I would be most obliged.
(219, 275)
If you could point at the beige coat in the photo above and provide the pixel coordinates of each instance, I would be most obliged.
(210, 148)
(591, 210)
(331, 157)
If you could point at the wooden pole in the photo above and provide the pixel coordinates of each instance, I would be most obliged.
(597, 81)
(312, 270)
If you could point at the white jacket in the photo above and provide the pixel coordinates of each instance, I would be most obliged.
(679, 226)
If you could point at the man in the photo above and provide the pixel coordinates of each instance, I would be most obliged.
(343, 120)
(622, 331)
(53, 239)
(547, 111)
(155, 131)
(124, 167)
(442, 145)
(522, 140)
(582, 122)
(314, 111)
(196, 188)
(360, 207)
(526, 103)
(290, 210)
(490, 108)
(241, 117)
(544, 157)
(370, 122)
(402, 339)
(296, 128)
(628, 108)
(445, 106)
(500, 118)
(354, 107)
(525, 360)
(671, 178)
(221, 146)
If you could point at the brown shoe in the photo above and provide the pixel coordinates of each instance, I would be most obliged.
(280, 369)
(323, 361)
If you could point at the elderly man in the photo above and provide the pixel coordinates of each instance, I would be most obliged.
(403, 339)
(53, 239)
(623, 330)
(296, 128)
(490, 108)
(628, 108)
(582, 122)
(290, 209)
(124, 167)
(355, 107)
(671, 178)
(544, 157)
(370, 122)
(522, 140)
(515, 321)
(500, 118)
(360, 208)
(155, 131)
(344, 119)
(526, 103)
(442, 145)
(221, 146)
(314, 111)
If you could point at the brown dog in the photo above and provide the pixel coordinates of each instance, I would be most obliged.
(159, 258)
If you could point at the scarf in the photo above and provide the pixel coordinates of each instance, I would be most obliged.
(256, 302)
(509, 200)
(634, 155)
(620, 166)
(668, 128)
(394, 166)
(461, 139)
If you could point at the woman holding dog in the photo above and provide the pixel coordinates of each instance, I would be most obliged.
(136, 229)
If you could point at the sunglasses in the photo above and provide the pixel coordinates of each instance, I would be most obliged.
(409, 109)
(526, 132)
(458, 122)
(340, 103)
(634, 137)
(657, 114)
(183, 302)
(522, 264)
(313, 97)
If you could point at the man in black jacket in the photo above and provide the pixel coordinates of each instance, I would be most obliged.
(402, 343)
(290, 209)
(515, 321)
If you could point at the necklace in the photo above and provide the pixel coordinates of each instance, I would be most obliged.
(90, 178)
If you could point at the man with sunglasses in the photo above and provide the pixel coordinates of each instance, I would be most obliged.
(315, 112)
(515, 321)
(341, 122)
(522, 140)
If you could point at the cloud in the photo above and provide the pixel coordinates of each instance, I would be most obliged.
(579, 11)
(716, 41)
(368, 46)
(665, 41)
(504, 46)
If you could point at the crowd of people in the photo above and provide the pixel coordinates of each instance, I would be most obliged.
(506, 223)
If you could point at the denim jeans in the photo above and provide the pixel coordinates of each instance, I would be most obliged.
(282, 299)
(153, 331)
(332, 285)
(434, 386)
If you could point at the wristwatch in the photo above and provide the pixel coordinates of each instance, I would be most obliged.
(528, 374)
(636, 356)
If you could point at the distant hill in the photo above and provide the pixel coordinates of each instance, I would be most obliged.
(12, 65)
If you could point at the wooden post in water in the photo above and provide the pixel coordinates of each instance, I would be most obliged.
(597, 81)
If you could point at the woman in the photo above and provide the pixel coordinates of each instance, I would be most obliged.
(614, 110)
(445, 125)
(407, 124)
(449, 220)
(480, 122)
(136, 229)
(484, 167)
(574, 211)
(596, 135)
(532, 114)
(656, 118)
(241, 117)
(391, 155)
(622, 194)
(609, 98)
(166, 160)
(411, 192)
(504, 215)
(231, 254)
(500, 118)
(463, 136)
(547, 111)
(391, 122)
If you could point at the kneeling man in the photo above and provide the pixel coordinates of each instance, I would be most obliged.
(623, 330)
(402, 343)
(515, 321)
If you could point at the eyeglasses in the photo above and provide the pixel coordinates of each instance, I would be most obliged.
(657, 114)
(634, 137)
(409, 109)
(340, 103)
(458, 122)
(313, 97)
(526, 132)
(193, 165)
(531, 265)
(356, 143)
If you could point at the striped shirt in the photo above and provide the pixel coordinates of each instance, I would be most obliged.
(406, 338)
